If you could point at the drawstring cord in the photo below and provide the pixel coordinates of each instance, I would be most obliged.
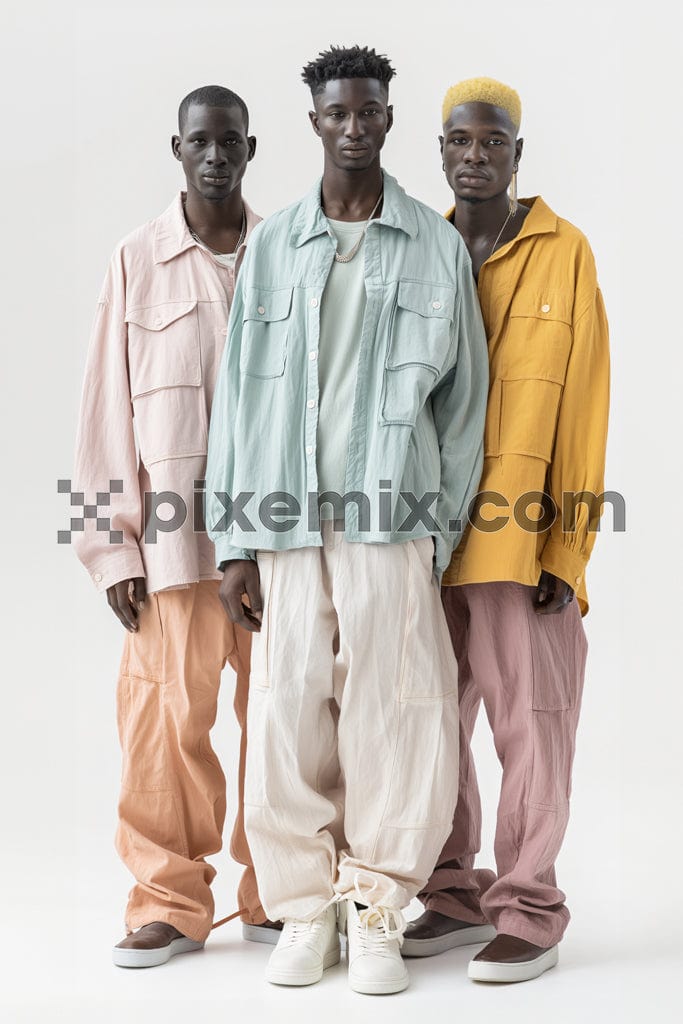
(224, 920)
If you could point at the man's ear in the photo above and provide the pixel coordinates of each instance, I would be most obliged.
(390, 117)
(313, 118)
(251, 146)
(519, 146)
(175, 146)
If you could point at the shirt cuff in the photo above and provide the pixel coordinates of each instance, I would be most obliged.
(563, 563)
(106, 574)
(226, 552)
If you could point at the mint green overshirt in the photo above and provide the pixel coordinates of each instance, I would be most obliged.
(417, 422)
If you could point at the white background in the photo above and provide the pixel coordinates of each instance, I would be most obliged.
(90, 92)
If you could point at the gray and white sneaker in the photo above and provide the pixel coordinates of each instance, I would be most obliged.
(152, 945)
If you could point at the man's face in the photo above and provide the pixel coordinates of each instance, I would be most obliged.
(352, 117)
(479, 150)
(214, 150)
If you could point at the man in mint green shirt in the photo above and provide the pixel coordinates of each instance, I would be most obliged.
(356, 364)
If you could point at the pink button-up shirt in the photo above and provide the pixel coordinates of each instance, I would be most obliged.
(154, 354)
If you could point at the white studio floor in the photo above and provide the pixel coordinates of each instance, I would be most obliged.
(607, 972)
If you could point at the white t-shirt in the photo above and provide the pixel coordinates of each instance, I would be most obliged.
(341, 322)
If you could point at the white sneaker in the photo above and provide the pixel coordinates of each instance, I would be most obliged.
(373, 951)
(304, 950)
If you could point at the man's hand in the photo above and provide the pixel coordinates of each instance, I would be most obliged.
(241, 576)
(553, 595)
(126, 600)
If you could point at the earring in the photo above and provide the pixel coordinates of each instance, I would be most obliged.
(513, 190)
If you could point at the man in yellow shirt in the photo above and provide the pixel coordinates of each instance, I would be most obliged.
(515, 590)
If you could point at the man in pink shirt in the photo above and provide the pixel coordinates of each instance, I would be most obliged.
(155, 350)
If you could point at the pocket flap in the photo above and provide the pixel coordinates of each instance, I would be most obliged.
(546, 305)
(156, 318)
(427, 299)
(267, 304)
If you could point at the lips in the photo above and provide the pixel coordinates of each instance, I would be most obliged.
(473, 174)
(354, 149)
(215, 179)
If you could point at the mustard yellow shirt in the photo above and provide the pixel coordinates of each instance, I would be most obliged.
(546, 421)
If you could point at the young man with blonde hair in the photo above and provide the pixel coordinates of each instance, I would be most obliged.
(515, 590)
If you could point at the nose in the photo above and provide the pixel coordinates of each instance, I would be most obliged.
(215, 155)
(354, 130)
(475, 153)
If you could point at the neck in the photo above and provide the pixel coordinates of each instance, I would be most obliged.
(476, 221)
(350, 195)
(208, 219)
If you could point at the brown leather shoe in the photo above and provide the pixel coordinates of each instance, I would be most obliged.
(509, 959)
(268, 932)
(151, 945)
(433, 933)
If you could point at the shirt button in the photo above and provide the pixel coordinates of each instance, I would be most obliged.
(312, 356)
(261, 310)
(158, 322)
(314, 302)
(309, 449)
(97, 577)
(578, 579)
(224, 331)
(311, 403)
(545, 308)
(436, 305)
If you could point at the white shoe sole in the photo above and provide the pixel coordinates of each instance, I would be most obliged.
(378, 988)
(279, 977)
(441, 943)
(257, 933)
(510, 973)
(154, 957)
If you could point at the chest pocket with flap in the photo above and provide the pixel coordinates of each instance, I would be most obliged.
(165, 370)
(418, 346)
(265, 329)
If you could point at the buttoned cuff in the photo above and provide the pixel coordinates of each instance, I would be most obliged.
(106, 573)
(563, 563)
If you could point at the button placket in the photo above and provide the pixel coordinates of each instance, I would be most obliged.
(312, 393)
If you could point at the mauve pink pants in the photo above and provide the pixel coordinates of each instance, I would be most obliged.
(528, 669)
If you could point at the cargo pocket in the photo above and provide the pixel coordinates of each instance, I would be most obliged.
(165, 371)
(419, 344)
(266, 320)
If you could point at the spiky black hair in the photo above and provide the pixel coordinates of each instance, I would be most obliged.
(211, 96)
(346, 62)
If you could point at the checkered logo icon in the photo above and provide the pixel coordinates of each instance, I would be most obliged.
(78, 503)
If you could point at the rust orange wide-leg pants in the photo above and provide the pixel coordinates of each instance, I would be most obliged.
(172, 806)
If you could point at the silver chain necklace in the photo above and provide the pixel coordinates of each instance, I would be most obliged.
(347, 257)
(215, 252)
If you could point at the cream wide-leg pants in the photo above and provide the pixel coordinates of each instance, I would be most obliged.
(353, 726)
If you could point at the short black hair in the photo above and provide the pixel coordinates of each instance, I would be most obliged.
(346, 62)
(211, 96)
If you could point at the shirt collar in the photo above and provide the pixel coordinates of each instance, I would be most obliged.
(172, 235)
(397, 212)
(539, 221)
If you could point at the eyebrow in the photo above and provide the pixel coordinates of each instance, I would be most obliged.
(328, 107)
(491, 131)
